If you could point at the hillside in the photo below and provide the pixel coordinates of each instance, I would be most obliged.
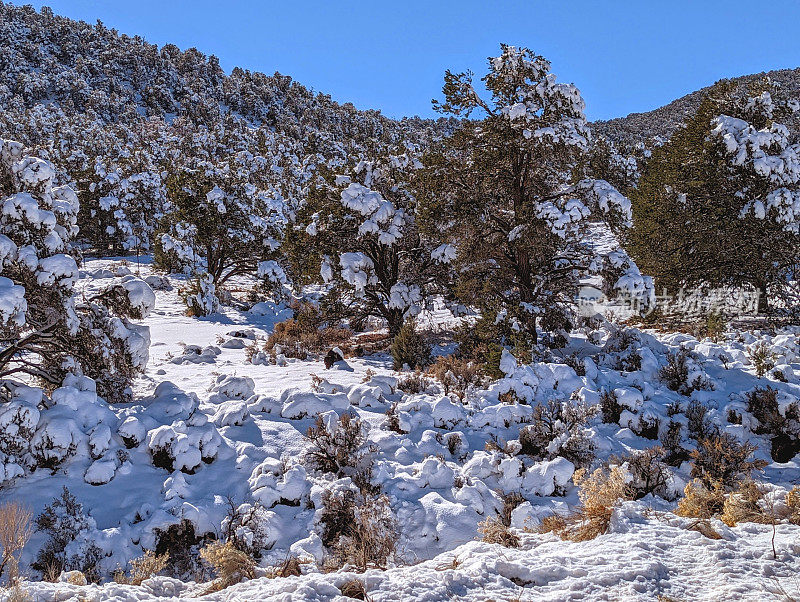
(661, 122)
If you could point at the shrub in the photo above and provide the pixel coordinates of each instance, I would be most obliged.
(746, 505)
(762, 357)
(362, 534)
(715, 325)
(762, 403)
(676, 374)
(700, 500)
(15, 531)
(563, 422)
(456, 374)
(493, 530)
(246, 528)
(142, 568)
(355, 589)
(610, 407)
(180, 545)
(393, 420)
(341, 452)
(721, 460)
(63, 521)
(410, 348)
(698, 423)
(200, 296)
(306, 333)
(413, 383)
(230, 565)
(599, 493)
(649, 472)
(674, 452)
(792, 502)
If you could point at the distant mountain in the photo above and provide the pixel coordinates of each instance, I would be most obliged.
(661, 122)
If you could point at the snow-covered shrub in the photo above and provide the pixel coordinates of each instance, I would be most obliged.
(361, 531)
(231, 565)
(70, 543)
(410, 348)
(648, 471)
(671, 441)
(557, 429)
(46, 329)
(200, 296)
(338, 447)
(781, 425)
(682, 374)
(246, 528)
(722, 461)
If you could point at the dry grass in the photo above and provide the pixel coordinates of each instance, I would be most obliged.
(231, 566)
(15, 531)
(143, 568)
(700, 501)
(493, 530)
(599, 493)
(747, 505)
(354, 589)
(792, 502)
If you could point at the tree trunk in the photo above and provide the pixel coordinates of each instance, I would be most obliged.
(763, 299)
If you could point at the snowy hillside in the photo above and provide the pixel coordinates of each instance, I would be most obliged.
(234, 433)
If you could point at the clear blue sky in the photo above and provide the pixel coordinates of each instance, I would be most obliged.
(625, 56)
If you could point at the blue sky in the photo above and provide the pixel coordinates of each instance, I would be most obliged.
(625, 56)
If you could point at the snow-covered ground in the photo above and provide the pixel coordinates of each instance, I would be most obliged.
(237, 430)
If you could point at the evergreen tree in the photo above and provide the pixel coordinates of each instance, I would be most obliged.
(719, 204)
(508, 193)
(46, 329)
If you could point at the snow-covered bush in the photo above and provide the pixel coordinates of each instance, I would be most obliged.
(338, 447)
(70, 543)
(557, 429)
(200, 296)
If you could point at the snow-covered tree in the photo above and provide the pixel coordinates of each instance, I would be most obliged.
(719, 204)
(363, 229)
(507, 192)
(46, 329)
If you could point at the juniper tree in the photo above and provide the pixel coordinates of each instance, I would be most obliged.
(46, 329)
(719, 203)
(362, 227)
(508, 192)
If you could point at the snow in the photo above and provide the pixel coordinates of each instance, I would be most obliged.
(206, 425)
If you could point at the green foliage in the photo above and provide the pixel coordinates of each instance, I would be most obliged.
(410, 348)
(687, 224)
